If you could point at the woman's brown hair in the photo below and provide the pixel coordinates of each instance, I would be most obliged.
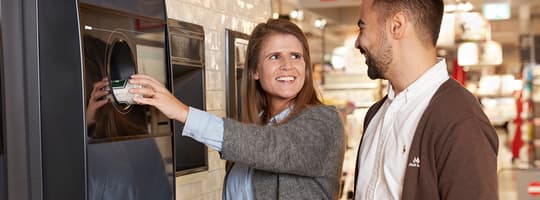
(254, 98)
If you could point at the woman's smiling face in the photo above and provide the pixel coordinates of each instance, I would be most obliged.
(281, 70)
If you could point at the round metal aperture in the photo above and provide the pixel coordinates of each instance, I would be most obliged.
(121, 66)
(121, 62)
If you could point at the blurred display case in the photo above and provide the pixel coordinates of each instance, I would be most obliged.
(356, 88)
(496, 94)
(533, 107)
(352, 94)
(524, 130)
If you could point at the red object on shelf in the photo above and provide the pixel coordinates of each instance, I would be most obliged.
(517, 143)
(534, 189)
(458, 73)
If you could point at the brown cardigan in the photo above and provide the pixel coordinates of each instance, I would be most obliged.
(457, 148)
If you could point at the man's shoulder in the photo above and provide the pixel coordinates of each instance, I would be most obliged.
(452, 97)
(452, 102)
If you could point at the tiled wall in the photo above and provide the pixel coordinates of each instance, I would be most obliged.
(215, 16)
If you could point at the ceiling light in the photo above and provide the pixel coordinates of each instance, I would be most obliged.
(497, 11)
(466, 7)
(459, 7)
(450, 8)
(275, 15)
(297, 14)
(320, 23)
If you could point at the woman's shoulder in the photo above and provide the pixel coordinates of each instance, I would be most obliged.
(320, 111)
(321, 117)
(322, 108)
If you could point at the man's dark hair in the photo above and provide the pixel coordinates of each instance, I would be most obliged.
(426, 14)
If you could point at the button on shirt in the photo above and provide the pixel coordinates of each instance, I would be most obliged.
(208, 129)
(385, 147)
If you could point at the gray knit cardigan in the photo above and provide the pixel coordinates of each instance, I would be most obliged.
(300, 159)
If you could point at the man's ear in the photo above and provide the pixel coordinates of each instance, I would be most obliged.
(398, 25)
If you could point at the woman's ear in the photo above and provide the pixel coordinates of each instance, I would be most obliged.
(256, 75)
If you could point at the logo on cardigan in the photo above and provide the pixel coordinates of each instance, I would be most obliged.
(415, 162)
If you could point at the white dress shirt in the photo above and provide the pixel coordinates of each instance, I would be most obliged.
(385, 147)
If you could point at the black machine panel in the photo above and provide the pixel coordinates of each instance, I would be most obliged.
(129, 146)
(187, 58)
(145, 8)
(1, 100)
(3, 185)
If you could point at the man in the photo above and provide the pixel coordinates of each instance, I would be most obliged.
(428, 138)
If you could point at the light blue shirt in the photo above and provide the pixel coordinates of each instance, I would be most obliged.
(205, 128)
(208, 129)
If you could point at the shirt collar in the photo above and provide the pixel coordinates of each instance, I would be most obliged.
(280, 116)
(431, 78)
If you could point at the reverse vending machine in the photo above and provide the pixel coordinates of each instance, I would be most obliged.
(57, 143)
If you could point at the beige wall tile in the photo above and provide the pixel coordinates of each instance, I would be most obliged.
(215, 16)
(212, 196)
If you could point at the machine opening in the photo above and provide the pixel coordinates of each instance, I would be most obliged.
(121, 65)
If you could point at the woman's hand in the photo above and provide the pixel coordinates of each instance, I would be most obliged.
(97, 99)
(156, 94)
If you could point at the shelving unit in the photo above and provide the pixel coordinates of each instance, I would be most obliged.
(533, 86)
(496, 94)
(525, 136)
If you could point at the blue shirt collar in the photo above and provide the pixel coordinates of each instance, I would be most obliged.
(280, 116)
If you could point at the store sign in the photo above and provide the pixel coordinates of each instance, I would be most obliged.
(534, 189)
(496, 11)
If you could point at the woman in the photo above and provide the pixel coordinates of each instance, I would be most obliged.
(290, 146)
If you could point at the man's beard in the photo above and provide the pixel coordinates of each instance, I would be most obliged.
(373, 71)
(377, 67)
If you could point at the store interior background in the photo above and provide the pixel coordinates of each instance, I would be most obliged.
(486, 44)
(491, 46)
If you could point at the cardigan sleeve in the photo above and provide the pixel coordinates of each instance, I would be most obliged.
(310, 144)
(467, 161)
